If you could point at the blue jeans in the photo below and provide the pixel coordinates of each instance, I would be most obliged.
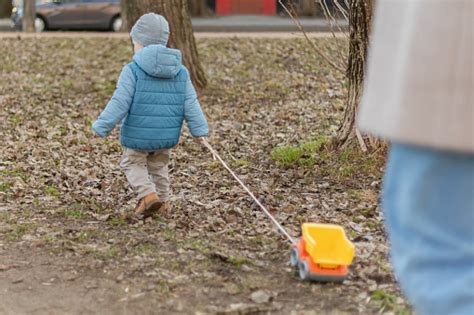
(428, 199)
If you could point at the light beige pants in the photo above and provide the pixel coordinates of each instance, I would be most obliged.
(147, 171)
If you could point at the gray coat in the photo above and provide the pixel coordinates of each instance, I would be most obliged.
(419, 84)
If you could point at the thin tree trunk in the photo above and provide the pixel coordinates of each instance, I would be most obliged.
(360, 15)
(29, 14)
(308, 8)
(181, 37)
(5, 8)
(198, 7)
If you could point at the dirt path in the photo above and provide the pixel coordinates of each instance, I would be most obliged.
(33, 282)
(271, 103)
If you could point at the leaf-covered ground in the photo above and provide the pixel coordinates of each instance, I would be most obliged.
(271, 104)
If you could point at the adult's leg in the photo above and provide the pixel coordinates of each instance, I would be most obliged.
(428, 200)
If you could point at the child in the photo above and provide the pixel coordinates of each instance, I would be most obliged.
(154, 95)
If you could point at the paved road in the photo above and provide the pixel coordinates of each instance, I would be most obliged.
(243, 23)
(252, 23)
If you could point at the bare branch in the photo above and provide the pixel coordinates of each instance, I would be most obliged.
(341, 9)
(329, 18)
(362, 144)
(315, 47)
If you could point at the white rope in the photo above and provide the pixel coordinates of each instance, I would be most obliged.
(207, 145)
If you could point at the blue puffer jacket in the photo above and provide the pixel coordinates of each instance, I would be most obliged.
(154, 95)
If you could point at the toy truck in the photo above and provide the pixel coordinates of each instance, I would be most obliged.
(323, 253)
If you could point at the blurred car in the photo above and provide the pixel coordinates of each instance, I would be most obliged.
(72, 15)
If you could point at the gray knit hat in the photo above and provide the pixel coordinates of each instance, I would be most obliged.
(151, 29)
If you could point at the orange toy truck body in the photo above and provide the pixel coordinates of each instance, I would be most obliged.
(323, 253)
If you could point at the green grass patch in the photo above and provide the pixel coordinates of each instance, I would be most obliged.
(84, 236)
(386, 299)
(305, 153)
(52, 191)
(199, 246)
(15, 120)
(105, 87)
(163, 287)
(75, 213)
(344, 164)
(16, 173)
(75, 210)
(238, 261)
(240, 162)
(214, 164)
(117, 221)
(107, 254)
(4, 186)
(169, 234)
(19, 230)
(144, 248)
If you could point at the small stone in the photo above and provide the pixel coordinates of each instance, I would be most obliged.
(232, 288)
(70, 276)
(27, 237)
(120, 277)
(362, 296)
(181, 279)
(18, 280)
(260, 297)
(92, 285)
(200, 257)
(324, 185)
(151, 287)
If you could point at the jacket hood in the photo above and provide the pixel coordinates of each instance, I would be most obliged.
(159, 61)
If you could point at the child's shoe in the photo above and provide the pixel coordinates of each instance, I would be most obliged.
(146, 207)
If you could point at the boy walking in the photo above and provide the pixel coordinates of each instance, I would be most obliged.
(154, 95)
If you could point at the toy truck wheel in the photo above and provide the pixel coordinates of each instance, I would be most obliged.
(304, 270)
(295, 257)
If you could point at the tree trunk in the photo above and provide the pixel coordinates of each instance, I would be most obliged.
(29, 14)
(181, 33)
(360, 15)
(5, 8)
(198, 7)
(308, 8)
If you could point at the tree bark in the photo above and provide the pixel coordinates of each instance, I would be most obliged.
(360, 15)
(181, 33)
(308, 8)
(29, 14)
(198, 7)
(5, 8)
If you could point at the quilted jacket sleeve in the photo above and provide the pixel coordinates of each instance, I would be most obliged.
(119, 104)
(193, 114)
